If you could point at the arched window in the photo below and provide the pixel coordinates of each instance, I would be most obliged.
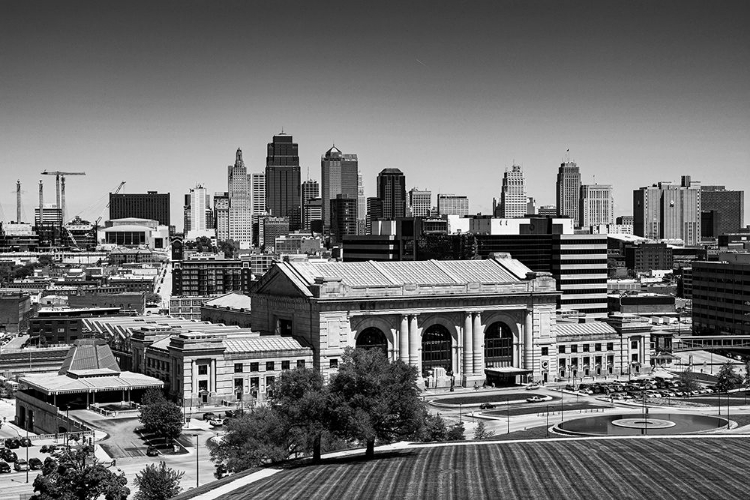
(436, 349)
(373, 338)
(498, 345)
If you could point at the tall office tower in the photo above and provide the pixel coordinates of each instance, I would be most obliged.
(392, 192)
(343, 217)
(361, 199)
(568, 190)
(530, 206)
(151, 205)
(273, 227)
(240, 227)
(197, 207)
(597, 205)
(221, 215)
(726, 209)
(310, 191)
(283, 198)
(374, 213)
(668, 211)
(258, 192)
(338, 175)
(313, 215)
(513, 194)
(452, 204)
(420, 202)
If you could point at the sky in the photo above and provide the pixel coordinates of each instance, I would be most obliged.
(160, 94)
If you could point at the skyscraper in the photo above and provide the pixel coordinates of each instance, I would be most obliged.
(597, 205)
(361, 199)
(343, 217)
(726, 210)
(513, 201)
(568, 190)
(420, 202)
(338, 175)
(240, 215)
(392, 192)
(283, 198)
(668, 211)
(197, 207)
(221, 215)
(258, 192)
(310, 191)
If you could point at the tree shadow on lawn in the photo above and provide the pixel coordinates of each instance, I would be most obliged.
(359, 458)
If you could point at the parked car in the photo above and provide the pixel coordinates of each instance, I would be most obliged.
(209, 416)
(4, 467)
(535, 399)
(486, 406)
(21, 465)
(12, 443)
(35, 464)
(152, 451)
(217, 422)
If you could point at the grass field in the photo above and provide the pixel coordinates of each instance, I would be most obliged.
(679, 469)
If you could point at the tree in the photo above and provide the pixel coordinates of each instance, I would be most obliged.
(434, 428)
(374, 399)
(481, 432)
(254, 439)
(153, 298)
(687, 380)
(157, 482)
(81, 478)
(301, 401)
(457, 432)
(160, 416)
(728, 379)
(229, 247)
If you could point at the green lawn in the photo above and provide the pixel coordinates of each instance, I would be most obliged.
(679, 469)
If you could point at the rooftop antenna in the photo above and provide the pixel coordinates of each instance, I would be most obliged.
(567, 156)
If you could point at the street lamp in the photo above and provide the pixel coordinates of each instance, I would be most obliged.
(197, 464)
(507, 406)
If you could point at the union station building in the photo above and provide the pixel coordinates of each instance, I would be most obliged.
(459, 322)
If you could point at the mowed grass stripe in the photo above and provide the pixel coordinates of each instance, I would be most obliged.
(481, 472)
(653, 455)
(706, 472)
(623, 472)
(558, 466)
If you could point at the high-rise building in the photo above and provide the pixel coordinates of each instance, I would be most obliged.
(452, 204)
(310, 191)
(392, 192)
(361, 199)
(50, 215)
(668, 211)
(313, 215)
(258, 192)
(530, 206)
(221, 215)
(283, 197)
(197, 209)
(374, 213)
(343, 217)
(273, 227)
(151, 205)
(513, 200)
(597, 205)
(240, 227)
(339, 175)
(568, 190)
(726, 209)
(420, 202)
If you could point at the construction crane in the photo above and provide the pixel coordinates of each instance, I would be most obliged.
(109, 202)
(60, 176)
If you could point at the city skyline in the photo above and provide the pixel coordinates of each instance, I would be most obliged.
(160, 95)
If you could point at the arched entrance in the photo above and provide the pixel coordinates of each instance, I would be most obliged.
(498, 345)
(436, 349)
(373, 338)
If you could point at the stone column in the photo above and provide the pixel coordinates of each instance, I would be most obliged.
(528, 345)
(478, 347)
(403, 339)
(193, 380)
(415, 344)
(212, 377)
(468, 367)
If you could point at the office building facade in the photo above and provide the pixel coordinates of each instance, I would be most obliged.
(343, 218)
(513, 200)
(452, 204)
(568, 191)
(726, 211)
(283, 181)
(597, 205)
(221, 215)
(669, 211)
(339, 175)
(392, 193)
(240, 226)
(420, 202)
(151, 205)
